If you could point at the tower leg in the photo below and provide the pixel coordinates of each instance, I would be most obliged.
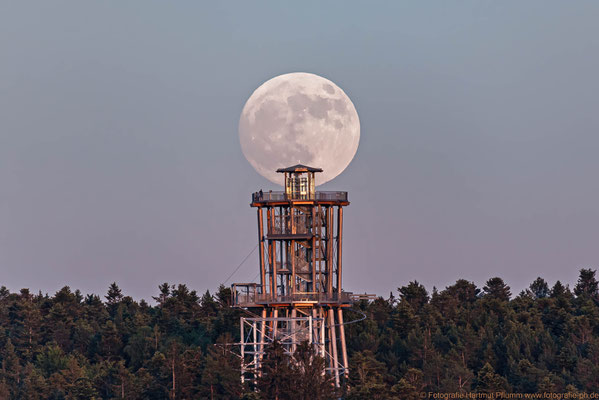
(343, 345)
(275, 315)
(333, 338)
(322, 334)
(263, 327)
(241, 329)
(293, 330)
(255, 339)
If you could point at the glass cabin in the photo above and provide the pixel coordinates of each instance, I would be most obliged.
(299, 181)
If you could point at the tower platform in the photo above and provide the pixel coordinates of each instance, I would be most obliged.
(246, 295)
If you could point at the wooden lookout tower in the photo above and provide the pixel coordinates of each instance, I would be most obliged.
(300, 296)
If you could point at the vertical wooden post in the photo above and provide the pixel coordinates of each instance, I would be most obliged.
(273, 256)
(293, 330)
(291, 258)
(322, 333)
(313, 249)
(292, 222)
(322, 264)
(281, 243)
(310, 327)
(275, 315)
(342, 338)
(339, 244)
(255, 339)
(270, 247)
(326, 324)
(330, 228)
(242, 335)
(286, 184)
(262, 334)
(293, 285)
(261, 250)
(333, 338)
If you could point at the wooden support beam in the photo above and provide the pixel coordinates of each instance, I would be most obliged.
(313, 250)
(275, 315)
(339, 244)
(342, 338)
(261, 249)
(273, 256)
(281, 243)
(255, 346)
(262, 334)
(293, 330)
(330, 228)
(322, 333)
(293, 284)
(333, 338)
(269, 230)
(242, 333)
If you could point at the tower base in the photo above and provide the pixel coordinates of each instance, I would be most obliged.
(319, 326)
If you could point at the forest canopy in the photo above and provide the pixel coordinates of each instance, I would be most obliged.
(463, 338)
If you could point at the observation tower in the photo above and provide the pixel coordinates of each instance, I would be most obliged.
(300, 296)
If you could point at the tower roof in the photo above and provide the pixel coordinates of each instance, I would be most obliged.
(299, 168)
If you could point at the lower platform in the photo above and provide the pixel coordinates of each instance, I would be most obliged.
(246, 297)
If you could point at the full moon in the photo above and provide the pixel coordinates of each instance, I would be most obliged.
(299, 118)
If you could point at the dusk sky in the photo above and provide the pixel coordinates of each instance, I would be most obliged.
(120, 157)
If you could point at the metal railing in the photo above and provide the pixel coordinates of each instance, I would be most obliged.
(262, 197)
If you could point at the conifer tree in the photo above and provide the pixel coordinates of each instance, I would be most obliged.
(414, 294)
(310, 380)
(497, 289)
(114, 294)
(587, 285)
(221, 377)
(539, 288)
(277, 379)
(489, 382)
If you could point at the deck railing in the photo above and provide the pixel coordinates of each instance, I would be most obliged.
(247, 295)
(263, 197)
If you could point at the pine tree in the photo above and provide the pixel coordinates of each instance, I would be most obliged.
(190, 377)
(497, 289)
(367, 377)
(405, 391)
(114, 295)
(414, 294)
(587, 285)
(539, 288)
(34, 384)
(220, 378)
(277, 379)
(10, 373)
(52, 359)
(489, 382)
(165, 291)
(311, 381)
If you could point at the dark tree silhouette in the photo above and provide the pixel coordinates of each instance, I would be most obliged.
(497, 289)
(587, 284)
(70, 346)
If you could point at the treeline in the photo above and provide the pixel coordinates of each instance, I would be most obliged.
(463, 338)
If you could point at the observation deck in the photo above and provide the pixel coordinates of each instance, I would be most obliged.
(281, 197)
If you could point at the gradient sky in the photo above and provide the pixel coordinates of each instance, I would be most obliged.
(120, 158)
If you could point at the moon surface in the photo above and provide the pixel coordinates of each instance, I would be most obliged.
(299, 118)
